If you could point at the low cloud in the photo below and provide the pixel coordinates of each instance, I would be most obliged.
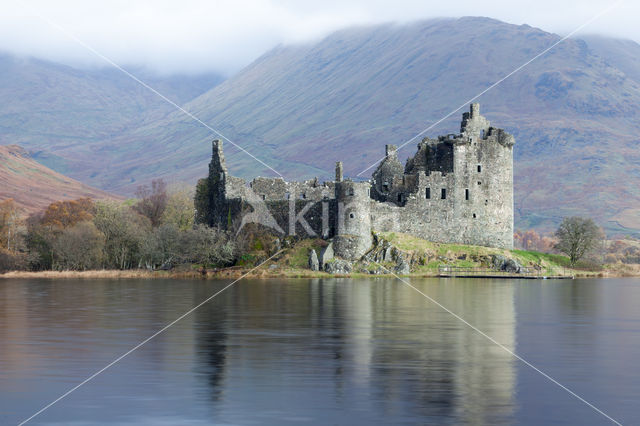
(197, 35)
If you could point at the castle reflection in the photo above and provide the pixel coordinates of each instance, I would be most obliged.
(370, 345)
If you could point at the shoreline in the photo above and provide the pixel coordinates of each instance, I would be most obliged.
(237, 273)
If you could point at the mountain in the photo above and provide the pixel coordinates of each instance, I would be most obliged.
(33, 186)
(574, 112)
(61, 114)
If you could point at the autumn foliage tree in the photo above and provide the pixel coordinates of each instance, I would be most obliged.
(532, 240)
(157, 232)
(43, 230)
(63, 214)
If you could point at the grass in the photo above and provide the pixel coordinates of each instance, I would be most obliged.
(470, 256)
(537, 257)
(298, 256)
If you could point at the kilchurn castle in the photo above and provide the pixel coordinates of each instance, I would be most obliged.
(456, 188)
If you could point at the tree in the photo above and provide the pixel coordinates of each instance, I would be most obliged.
(45, 228)
(531, 240)
(79, 247)
(180, 209)
(209, 246)
(153, 201)
(9, 223)
(163, 247)
(577, 236)
(124, 231)
(63, 214)
(202, 203)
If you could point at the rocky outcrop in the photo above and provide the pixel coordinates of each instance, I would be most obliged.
(314, 265)
(326, 255)
(503, 263)
(383, 252)
(338, 266)
(402, 267)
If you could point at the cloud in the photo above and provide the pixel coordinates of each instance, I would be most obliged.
(200, 35)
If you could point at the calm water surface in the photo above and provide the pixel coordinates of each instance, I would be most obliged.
(336, 351)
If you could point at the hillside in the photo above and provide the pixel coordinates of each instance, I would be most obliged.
(68, 117)
(33, 186)
(574, 112)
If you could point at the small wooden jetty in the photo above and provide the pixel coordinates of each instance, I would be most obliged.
(447, 271)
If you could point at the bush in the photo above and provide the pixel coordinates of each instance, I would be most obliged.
(12, 261)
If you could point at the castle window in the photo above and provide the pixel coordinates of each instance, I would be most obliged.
(482, 134)
(385, 186)
(399, 198)
(351, 215)
(287, 195)
(479, 168)
(303, 196)
(428, 193)
(466, 194)
(479, 183)
(474, 215)
(351, 191)
(264, 197)
(443, 193)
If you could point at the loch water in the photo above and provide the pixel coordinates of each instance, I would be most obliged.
(321, 351)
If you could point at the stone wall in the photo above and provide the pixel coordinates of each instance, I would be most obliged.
(456, 188)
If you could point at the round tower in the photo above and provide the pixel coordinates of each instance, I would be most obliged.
(353, 227)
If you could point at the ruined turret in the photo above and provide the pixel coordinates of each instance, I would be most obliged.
(389, 170)
(353, 221)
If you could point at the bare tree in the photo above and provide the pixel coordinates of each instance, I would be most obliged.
(9, 223)
(79, 247)
(577, 236)
(153, 201)
(209, 246)
(125, 231)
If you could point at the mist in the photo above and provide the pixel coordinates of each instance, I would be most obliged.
(195, 36)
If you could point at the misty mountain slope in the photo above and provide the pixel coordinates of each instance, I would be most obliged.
(61, 113)
(574, 113)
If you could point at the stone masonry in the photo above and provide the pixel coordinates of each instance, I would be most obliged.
(457, 188)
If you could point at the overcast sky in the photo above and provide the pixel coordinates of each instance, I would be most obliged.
(223, 36)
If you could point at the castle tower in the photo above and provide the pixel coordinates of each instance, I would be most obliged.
(387, 171)
(339, 171)
(353, 221)
(211, 193)
(483, 187)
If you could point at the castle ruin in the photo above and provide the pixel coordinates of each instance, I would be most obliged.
(457, 188)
